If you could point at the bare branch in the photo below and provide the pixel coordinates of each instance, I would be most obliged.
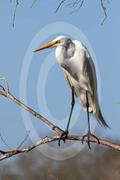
(104, 10)
(8, 154)
(15, 10)
(73, 4)
(34, 113)
(4, 141)
(24, 140)
(60, 4)
(77, 4)
(6, 82)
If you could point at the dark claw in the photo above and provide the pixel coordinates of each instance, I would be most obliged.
(2, 152)
(88, 135)
(63, 137)
(88, 141)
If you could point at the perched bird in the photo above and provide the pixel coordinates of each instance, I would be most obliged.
(79, 69)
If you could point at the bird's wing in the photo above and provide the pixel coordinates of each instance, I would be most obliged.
(88, 68)
(90, 73)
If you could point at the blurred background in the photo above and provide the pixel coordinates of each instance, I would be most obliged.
(100, 162)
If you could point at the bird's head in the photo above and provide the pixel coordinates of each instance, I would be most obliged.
(59, 41)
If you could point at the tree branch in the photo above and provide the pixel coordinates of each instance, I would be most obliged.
(8, 154)
(15, 10)
(77, 4)
(59, 6)
(105, 12)
(10, 96)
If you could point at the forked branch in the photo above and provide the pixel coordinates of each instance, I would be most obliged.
(10, 96)
(74, 4)
(78, 4)
(8, 154)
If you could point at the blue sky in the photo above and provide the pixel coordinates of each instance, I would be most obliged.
(15, 42)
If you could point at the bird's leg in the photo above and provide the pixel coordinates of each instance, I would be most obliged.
(89, 134)
(65, 133)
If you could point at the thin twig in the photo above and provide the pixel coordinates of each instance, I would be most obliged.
(73, 4)
(3, 140)
(104, 10)
(15, 10)
(60, 4)
(6, 82)
(81, 2)
(24, 140)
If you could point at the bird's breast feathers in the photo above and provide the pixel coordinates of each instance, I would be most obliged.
(72, 62)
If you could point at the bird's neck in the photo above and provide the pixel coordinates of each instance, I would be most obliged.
(64, 53)
(60, 53)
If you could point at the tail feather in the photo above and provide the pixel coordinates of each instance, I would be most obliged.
(101, 119)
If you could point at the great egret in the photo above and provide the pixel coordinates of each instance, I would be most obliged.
(79, 70)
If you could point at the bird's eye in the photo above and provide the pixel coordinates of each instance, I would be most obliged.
(58, 41)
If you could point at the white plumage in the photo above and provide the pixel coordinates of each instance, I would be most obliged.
(80, 73)
(79, 69)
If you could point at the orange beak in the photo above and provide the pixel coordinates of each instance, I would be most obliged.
(45, 46)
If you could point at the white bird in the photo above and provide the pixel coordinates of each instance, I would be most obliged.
(79, 69)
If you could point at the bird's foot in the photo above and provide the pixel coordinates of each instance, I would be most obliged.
(88, 135)
(63, 137)
(2, 152)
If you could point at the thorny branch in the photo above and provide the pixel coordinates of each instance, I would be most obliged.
(19, 150)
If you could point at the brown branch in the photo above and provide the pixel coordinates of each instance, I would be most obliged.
(10, 96)
(8, 154)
